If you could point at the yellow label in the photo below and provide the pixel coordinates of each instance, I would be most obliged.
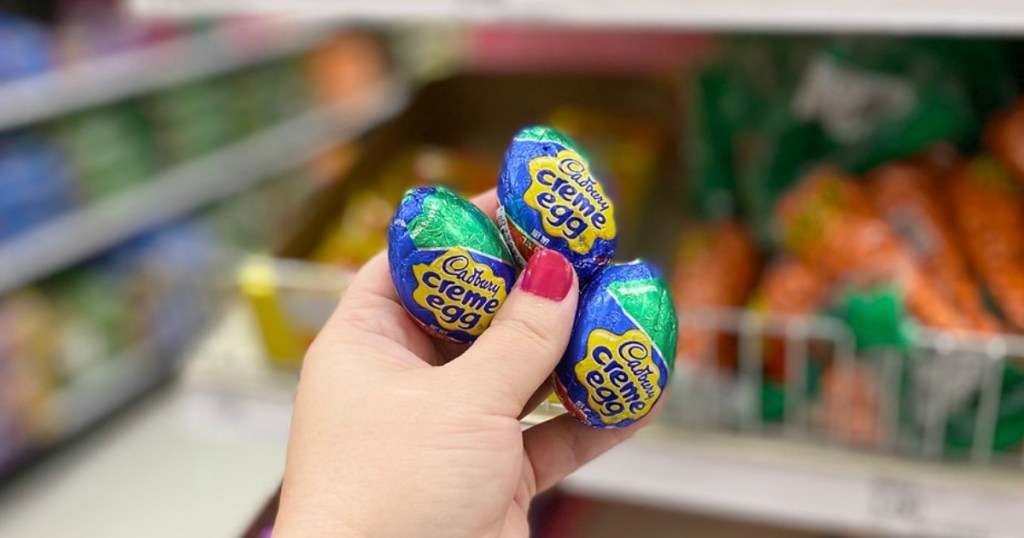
(463, 294)
(620, 375)
(571, 202)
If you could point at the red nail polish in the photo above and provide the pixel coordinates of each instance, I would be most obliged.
(548, 274)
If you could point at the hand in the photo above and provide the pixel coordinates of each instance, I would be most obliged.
(396, 435)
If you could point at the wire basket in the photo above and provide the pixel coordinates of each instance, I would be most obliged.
(946, 395)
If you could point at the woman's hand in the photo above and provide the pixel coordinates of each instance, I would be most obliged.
(396, 435)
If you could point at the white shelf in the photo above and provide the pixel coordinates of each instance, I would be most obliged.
(110, 78)
(125, 479)
(798, 485)
(916, 16)
(181, 190)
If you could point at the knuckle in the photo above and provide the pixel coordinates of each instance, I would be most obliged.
(526, 333)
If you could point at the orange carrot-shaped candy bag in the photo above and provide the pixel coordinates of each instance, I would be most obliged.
(716, 268)
(905, 196)
(790, 287)
(988, 206)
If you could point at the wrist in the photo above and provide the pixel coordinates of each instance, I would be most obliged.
(306, 520)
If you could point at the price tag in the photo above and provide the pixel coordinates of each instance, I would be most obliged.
(971, 511)
(897, 502)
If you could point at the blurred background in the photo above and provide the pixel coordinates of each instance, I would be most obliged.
(835, 192)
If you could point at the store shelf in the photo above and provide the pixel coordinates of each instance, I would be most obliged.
(183, 189)
(799, 485)
(107, 387)
(223, 49)
(98, 392)
(903, 16)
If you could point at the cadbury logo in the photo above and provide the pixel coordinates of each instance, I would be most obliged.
(462, 293)
(621, 378)
(571, 201)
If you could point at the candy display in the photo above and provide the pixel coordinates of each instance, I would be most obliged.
(95, 153)
(842, 163)
(144, 299)
(117, 321)
(622, 348)
(769, 109)
(548, 198)
(449, 265)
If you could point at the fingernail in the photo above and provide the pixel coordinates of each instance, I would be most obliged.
(548, 275)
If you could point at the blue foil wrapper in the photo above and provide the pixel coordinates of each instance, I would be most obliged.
(450, 268)
(548, 199)
(621, 351)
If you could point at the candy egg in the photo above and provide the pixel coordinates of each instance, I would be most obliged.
(448, 263)
(622, 347)
(548, 198)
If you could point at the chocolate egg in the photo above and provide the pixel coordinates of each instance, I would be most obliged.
(622, 347)
(547, 197)
(448, 263)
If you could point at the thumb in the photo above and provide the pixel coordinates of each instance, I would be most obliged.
(520, 349)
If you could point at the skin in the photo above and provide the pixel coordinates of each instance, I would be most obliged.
(396, 435)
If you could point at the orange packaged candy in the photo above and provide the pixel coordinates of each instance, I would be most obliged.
(716, 268)
(988, 206)
(791, 288)
(905, 196)
(1004, 136)
(828, 222)
(788, 288)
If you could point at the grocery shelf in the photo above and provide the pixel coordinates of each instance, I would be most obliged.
(182, 189)
(902, 16)
(106, 387)
(100, 391)
(793, 484)
(224, 48)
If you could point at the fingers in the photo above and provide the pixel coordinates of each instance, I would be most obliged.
(537, 398)
(374, 279)
(561, 445)
(520, 349)
(487, 202)
(371, 305)
(372, 302)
